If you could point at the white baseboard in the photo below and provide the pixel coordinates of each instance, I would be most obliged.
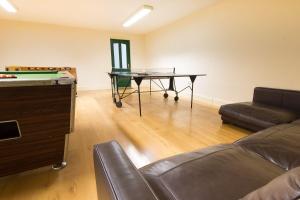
(213, 101)
(91, 88)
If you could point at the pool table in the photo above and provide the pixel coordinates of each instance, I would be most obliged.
(71, 70)
(42, 104)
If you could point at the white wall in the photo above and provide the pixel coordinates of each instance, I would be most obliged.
(33, 44)
(240, 44)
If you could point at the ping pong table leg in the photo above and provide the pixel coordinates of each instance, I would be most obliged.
(193, 78)
(138, 81)
(112, 87)
(117, 100)
(150, 86)
(192, 97)
(140, 106)
(176, 98)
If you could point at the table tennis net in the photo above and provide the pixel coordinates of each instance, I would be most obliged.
(170, 70)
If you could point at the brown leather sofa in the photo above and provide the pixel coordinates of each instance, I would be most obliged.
(262, 166)
(269, 107)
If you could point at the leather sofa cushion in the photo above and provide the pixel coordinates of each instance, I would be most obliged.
(243, 124)
(284, 187)
(216, 173)
(259, 114)
(279, 144)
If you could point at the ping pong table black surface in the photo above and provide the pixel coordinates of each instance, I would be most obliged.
(138, 77)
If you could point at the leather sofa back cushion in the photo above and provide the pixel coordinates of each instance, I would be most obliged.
(268, 96)
(284, 187)
(279, 144)
(291, 100)
(215, 173)
(288, 99)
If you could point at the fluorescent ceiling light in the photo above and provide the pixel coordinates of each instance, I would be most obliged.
(144, 11)
(8, 6)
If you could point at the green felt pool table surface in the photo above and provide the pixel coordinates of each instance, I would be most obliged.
(34, 74)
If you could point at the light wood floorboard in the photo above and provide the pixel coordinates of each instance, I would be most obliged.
(166, 128)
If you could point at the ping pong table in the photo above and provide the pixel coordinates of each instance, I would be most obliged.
(155, 77)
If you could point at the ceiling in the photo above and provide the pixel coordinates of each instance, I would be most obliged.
(103, 14)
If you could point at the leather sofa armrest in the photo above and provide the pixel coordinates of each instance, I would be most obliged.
(116, 176)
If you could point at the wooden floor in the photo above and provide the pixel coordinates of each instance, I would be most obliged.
(166, 128)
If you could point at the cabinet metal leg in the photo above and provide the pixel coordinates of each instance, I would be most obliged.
(59, 166)
(63, 164)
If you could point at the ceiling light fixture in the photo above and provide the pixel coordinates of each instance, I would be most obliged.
(142, 12)
(8, 6)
